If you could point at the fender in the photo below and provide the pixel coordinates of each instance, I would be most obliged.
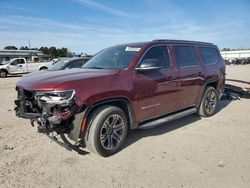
(81, 119)
(203, 89)
(4, 69)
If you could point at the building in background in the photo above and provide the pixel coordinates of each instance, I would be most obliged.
(33, 55)
(235, 54)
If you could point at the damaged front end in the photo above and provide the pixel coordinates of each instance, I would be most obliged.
(53, 111)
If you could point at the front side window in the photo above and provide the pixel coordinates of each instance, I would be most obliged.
(159, 53)
(185, 56)
(75, 64)
(209, 55)
(15, 62)
(118, 57)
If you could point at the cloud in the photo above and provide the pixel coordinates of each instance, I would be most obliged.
(18, 9)
(92, 37)
(99, 6)
(17, 30)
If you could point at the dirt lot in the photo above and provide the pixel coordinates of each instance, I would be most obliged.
(190, 152)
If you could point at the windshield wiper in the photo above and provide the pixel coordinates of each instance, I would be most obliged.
(94, 67)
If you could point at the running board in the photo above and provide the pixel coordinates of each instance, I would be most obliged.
(167, 118)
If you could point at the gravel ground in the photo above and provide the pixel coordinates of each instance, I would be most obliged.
(190, 152)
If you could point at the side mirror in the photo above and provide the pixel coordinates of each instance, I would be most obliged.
(149, 65)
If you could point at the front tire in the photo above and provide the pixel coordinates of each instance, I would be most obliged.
(209, 102)
(107, 130)
(3, 73)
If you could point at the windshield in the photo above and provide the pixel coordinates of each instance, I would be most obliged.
(58, 66)
(118, 57)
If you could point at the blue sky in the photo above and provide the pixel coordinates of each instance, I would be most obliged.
(90, 25)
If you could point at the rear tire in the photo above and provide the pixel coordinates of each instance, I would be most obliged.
(209, 102)
(108, 128)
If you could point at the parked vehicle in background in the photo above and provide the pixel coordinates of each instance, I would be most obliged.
(69, 63)
(238, 61)
(21, 66)
(129, 86)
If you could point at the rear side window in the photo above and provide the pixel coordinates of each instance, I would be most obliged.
(209, 55)
(185, 56)
(21, 61)
(160, 53)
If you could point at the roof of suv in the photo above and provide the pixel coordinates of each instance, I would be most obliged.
(157, 41)
(182, 41)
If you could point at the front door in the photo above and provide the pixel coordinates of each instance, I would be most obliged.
(156, 89)
(17, 66)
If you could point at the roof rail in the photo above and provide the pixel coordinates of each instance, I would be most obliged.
(181, 41)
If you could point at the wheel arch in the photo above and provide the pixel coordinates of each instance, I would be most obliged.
(5, 70)
(43, 68)
(212, 83)
(120, 102)
(2, 69)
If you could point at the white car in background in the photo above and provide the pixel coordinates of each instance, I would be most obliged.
(21, 66)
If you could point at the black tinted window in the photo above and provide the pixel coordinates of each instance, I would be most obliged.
(159, 53)
(21, 61)
(75, 64)
(185, 56)
(209, 55)
(17, 61)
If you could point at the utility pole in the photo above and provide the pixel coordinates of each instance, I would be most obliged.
(30, 49)
(29, 45)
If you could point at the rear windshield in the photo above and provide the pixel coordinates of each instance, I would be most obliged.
(118, 57)
(209, 55)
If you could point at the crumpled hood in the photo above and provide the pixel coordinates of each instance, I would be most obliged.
(48, 80)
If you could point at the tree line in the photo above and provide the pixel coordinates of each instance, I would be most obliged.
(234, 49)
(52, 51)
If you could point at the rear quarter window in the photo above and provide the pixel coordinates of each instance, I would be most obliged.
(185, 56)
(209, 55)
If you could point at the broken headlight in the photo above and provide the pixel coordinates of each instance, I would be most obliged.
(63, 97)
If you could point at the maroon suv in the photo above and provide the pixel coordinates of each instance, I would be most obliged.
(129, 86)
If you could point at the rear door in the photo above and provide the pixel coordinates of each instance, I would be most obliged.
(156, 90)
(190, 75)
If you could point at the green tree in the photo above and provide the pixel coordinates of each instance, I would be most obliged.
(45, 50)
(10, 48)
(53, 52)
(62, 52)
(24, 48)
(226, 49)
